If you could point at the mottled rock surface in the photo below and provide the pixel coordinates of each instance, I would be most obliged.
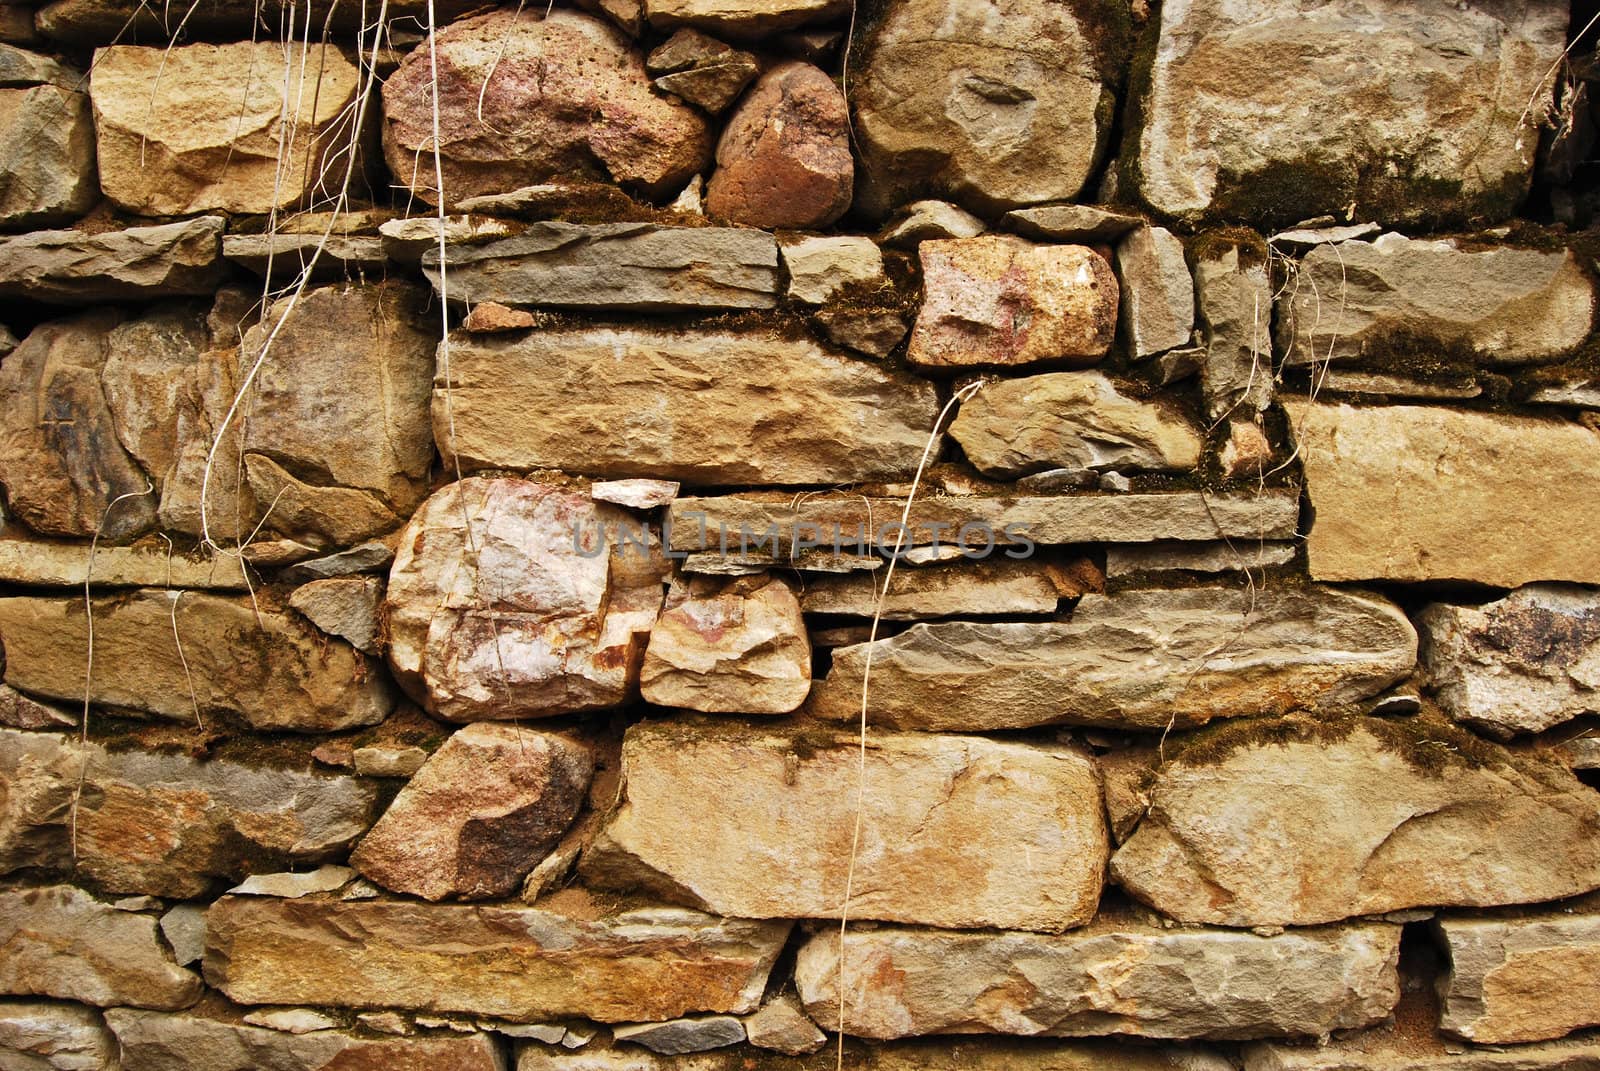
(44, 1036)
(1157, 291)
(347, 607)
(702, 70)
(520, 963)
(999, 300)
(741, 17)
(478, 815)
(1388, 1050)
(1304, 821)
(136, 264)
(821, 267)
(1407, 492)
(47, 142)
(1037, 810)
(996, 585)
(1135, 659)
(1234, 300)
(782, 1025)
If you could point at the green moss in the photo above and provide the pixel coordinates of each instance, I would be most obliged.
(1141, 75)
(1108, 27)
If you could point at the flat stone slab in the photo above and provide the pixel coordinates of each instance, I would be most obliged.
(136, 264)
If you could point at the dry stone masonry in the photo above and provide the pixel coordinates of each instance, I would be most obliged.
(773, 535)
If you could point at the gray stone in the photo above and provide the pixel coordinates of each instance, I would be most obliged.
(702, 70)
(407, 240)
(922, 220)
(286, 257)
(1306, 237)
(712, 415)
(821, 267)
(1392, 110)
(1235, 306)
(676, 1036)
(1076, 224)
(347, 607)
(1578, 393)
(1130, 559)
(1511, 306)
(1521, 664)
(628, 266)
(184, 927)
(1157, 291)
(1121, 974)
(136, 264)
(47, 143)
(781, 1025)
(1145, 659)
(44, 1036)
(1382, 384)
(62, 942)
(366, 558)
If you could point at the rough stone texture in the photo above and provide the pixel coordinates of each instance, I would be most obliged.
(139, 263)
(1301, 821)
(148, 364)
(1524, 977)
(741, 17)
(1220, 557)
(479, 814)
(874, 332)
(1148, 659)
(1394, 110)
(731, 646)
(784, 157)
(1157, 291)
(996, 585)
(1408, 492)
(211, 140)
(702, 70)
(17, 711)
(639, 494)
(347, 607)
(47, 143)
(1072, 420)
(1036, 809)
(406, 240)
(41, 1036)
(630, 266)
(820, 267)
(1078, 224)
(1511, 306)
(781, 1025)
(1517, 665)
(697, 523)
(179, 655)
(283, 258)
(61, 463)
(293, 885)
(311, 515)
(921, 220)
(1000, 300)
(210, 1042)
(683, 1035)
(184, 927)
(1119, 975)
(95, 22)
(1235, 305)
(167, 824)
(997, 104)
(519, 963)
(569, 98)
(62, 942)
(539, 620)
(690, 405)
(1384, 1050)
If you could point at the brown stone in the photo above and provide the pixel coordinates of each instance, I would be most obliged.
(568, 98)
(758, 824)
(491, 317)
(702, 70)
(136, 264)
(997, 585)
(47, 142)
(999, 300)
(518, 963)
(741, 18)
(347, 607)
(46, 1036)
(478, 815)
(1390, 1049)
(149, 363)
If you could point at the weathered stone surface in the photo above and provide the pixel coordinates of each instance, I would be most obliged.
(503, 602)
(1524, 977)
(519, 963)
(406, 240)
(208, 1041)
(1305, 821)
(683, 1035)
(697, 523)
(1157, 291)
(1235, 306)
(633, 266)
(231, 514)
(184, 927)
(62, 942)
(479, 814)
(1280, 112)
(635, 493)
(42, 1036)
(166, 824)
(1072, 420)
(1389, 1050)
(741, 18)
(690, 405)
(64, 471)
(18, 711)
(1077, 224)
(1517, 665)
(1000, 300)
(94, 22)
(47, 143)
(1219, 557)
(784, 158)
(820, 267)
(1407, 492)
(874, 332)
(1122, 974)
(702, 70)
(71, 267)
(729, 646)
(1036, 809)
(491, 317)
(1511, 306)
(993, 586)
(997, 104)
(1247, 452)
(20, 68)
(292, 1020)
(311, 515)
(922, 220)
(1136, 659)
(284, 258)
(347, 607)
(181, 655)
(149, 363)
(371, 557)
(568, 97)
(213, 143)
(782, 1026)
(295, 884)
(377, 760)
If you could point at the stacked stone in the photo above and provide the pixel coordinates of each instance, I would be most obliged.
(513, 532)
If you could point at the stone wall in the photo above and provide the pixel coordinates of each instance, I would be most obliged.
(513, 533)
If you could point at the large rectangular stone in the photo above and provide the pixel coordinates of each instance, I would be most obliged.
(631, 266)
(1416, 492)
(41, 563)
(702, 523)
(1392, 1050)
(511, 962)
(70, 267)
(1122, 974)
(759, 824)
(704, 407)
